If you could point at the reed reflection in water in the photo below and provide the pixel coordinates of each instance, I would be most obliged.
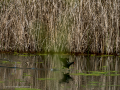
(47, 72)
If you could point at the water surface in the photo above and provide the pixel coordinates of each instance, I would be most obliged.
(46, 72)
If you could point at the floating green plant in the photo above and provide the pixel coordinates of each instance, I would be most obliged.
(41, 54)
(102, 85)
(71, 67)
(12, 73)
(68, 87)
(92, 55)
(104, 66)
(91, 73)
(66, 54)
(27, 75)
(113, 71)
(108, 85)
(18, 62)
(23, 55)
(78, 74)
(97, 72)
(92, 84)
(83, 85)
(106, 55)
(15, 53)
(95, 82)
(39, 62)
(113, 75)
(31, 55)
(17, 79)
(5, 62)
(1, 81)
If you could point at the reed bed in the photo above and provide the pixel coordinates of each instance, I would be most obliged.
(85, 26)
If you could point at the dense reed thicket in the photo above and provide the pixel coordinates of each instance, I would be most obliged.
(60, 25)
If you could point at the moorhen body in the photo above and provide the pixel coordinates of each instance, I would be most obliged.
(66, 62)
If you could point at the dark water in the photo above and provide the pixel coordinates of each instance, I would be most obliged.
(46, 72)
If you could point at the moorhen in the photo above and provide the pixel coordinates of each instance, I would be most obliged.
(66, 62)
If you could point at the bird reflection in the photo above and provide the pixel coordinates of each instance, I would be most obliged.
(66, 62)
(66, 78)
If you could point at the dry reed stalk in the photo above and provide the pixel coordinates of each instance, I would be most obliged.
(60, 26)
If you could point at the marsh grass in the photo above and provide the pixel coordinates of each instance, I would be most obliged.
(83, 26)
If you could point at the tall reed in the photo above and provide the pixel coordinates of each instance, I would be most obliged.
(60, 25)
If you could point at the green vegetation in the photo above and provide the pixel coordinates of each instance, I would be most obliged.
(27, 75)
(1, 81)
(4, 62)
(97, 73)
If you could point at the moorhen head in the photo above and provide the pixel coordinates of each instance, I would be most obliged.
(66, 62)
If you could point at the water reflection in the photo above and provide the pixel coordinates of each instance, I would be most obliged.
(46, 71)
(66, 78)
(66, 62)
